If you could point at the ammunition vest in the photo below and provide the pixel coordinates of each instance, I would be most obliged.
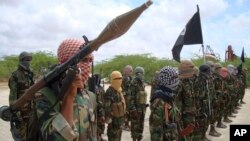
(117, 109)
(141, 97)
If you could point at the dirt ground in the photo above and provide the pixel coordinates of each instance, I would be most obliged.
(241, 118)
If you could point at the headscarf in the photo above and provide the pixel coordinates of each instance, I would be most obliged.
(25, 60)
(168, 77)
(116, 80)
(70, 47)
(186, 69)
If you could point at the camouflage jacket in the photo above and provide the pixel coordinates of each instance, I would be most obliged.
(203, 95)
(111, 97)
(100, 92)
(185, 100)
(19, 81)
(137, 92)
(218, 86)
(54, 127)
(126, 82)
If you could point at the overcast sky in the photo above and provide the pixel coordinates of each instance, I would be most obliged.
(41, 25)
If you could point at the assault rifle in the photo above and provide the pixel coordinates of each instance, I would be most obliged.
(117, 27)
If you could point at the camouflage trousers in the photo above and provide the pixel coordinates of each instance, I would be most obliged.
(215, 112)
(126, 116)
(222, 109)
(114, 131)
(19, 131)
(200, 130)
(187, 119)
(137, 125)
(228, 105)
(156, 133)
(171, 134)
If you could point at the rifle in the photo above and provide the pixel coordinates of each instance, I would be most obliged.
(117, 27)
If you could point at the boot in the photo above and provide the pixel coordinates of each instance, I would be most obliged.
(238, 107)
(102, 139)
(213, 132)
(235, 111)
(227, 120)
(206, 139)
(231, 115)
(242, 102)
(221, 125)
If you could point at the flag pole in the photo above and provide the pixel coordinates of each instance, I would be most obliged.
(203, 53)
(202, 46)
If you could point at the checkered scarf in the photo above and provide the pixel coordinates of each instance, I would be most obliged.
(85, 68)
(168, 77)
(68, 48)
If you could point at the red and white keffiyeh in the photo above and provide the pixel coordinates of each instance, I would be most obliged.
(68, 48)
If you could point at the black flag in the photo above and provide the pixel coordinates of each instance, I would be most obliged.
(242, 60)
(242, 57)
(191, 34)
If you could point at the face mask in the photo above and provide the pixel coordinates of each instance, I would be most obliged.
(116, 84)
(25, 65)
(140, 76)
(85, 70)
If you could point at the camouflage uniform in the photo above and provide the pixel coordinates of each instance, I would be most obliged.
(20, 80)
(114, 104)
(214, 100)
(243, 76)
(231, 80)
(219, 91)
(154, 83)
(137, 104)
(186, 97)
(226, 96)
(202, 103)
(164, 118)
(126, 82)
(100, 92)
(244, 79)
(54, 126)
(65, 110)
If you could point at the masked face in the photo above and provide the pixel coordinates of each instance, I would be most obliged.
(85, 67)
(25, 63)
(140, 76)
(116, 80)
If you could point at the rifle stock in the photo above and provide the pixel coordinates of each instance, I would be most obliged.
(117, 27)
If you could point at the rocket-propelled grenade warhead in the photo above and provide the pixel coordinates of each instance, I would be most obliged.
(119, 25)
